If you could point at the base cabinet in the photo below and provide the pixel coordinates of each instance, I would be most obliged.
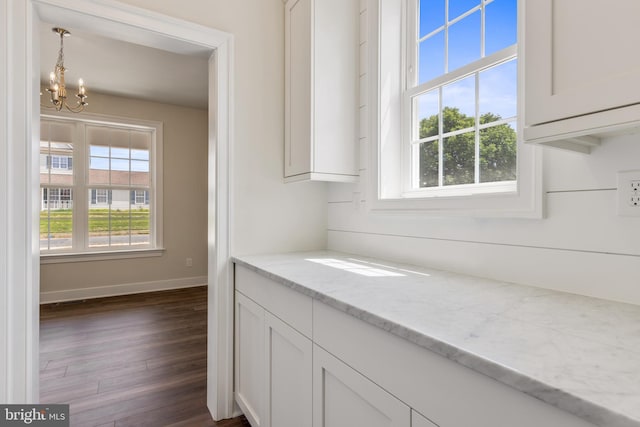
(418, 420)
(249, 358)
(288, 375)
(344, 397)
(273, 368)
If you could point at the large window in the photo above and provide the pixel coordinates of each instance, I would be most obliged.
(461, 96)
(100, 185)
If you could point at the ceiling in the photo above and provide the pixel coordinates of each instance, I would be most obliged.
(121, 68)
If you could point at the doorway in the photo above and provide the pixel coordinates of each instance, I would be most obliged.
(118, 21)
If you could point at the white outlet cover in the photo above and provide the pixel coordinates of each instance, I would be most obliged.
(628, 192)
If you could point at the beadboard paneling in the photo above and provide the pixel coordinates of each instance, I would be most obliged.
(599, 275)
(580, 221)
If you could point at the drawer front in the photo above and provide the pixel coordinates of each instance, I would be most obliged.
(291, 306)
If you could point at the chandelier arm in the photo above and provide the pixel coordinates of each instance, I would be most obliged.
(77, 109)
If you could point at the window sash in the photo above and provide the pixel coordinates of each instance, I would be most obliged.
(413, 90)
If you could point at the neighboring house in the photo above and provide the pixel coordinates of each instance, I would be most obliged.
(59, 165)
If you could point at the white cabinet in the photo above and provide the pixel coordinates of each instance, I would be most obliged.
(418, 420)
(321, 90)
(289, 373)
(581, 73)
(273, 360)
(249, 358)
(343, 397)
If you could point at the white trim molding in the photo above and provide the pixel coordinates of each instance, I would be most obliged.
(221, 296)
(124, 289)
(5, 280)
(19, 277)
(19, 135)
(100, 256)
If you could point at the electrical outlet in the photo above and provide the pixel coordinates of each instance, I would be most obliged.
(189, 262)
(629, 193)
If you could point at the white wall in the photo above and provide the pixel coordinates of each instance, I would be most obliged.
(582, 246)
(269, 216)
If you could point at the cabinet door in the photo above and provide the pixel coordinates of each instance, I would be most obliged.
(289, 373)
(418, 420)
(249, 358)
(579, 57)
(345, 398)
(297, 138)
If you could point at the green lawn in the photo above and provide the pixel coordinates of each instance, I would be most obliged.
(61, 221)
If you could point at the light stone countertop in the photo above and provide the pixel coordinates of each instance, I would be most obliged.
(577, 353)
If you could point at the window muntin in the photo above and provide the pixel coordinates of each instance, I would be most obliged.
(110, 167)
(461, 94)
(56, 219)
(121, 221)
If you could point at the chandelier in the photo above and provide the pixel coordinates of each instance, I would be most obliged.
(57, 89)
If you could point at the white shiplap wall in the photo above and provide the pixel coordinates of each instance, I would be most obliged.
(581, 246)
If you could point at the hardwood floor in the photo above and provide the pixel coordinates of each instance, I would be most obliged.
(135, 360)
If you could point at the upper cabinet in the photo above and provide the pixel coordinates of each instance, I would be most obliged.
(321, 90)
(581, 71)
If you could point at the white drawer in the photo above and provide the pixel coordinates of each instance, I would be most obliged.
(290, 306)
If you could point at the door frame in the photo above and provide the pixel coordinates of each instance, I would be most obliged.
(19, 179)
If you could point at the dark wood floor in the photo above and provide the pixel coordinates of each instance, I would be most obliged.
(136, 360)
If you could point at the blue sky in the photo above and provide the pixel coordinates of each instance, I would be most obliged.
(119, 157)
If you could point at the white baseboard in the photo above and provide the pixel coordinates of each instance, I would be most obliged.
(114, 290)
(236, 410)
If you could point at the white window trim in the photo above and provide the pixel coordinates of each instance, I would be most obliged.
(60, 258)
(386, 37)
(80, 236)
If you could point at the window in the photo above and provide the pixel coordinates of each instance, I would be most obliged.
(100, 185)
(60, 162)
(441, 80)
(99, 196)
(140, 197)
(461, 95)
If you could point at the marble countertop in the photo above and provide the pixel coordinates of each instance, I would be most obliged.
(578, 353)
